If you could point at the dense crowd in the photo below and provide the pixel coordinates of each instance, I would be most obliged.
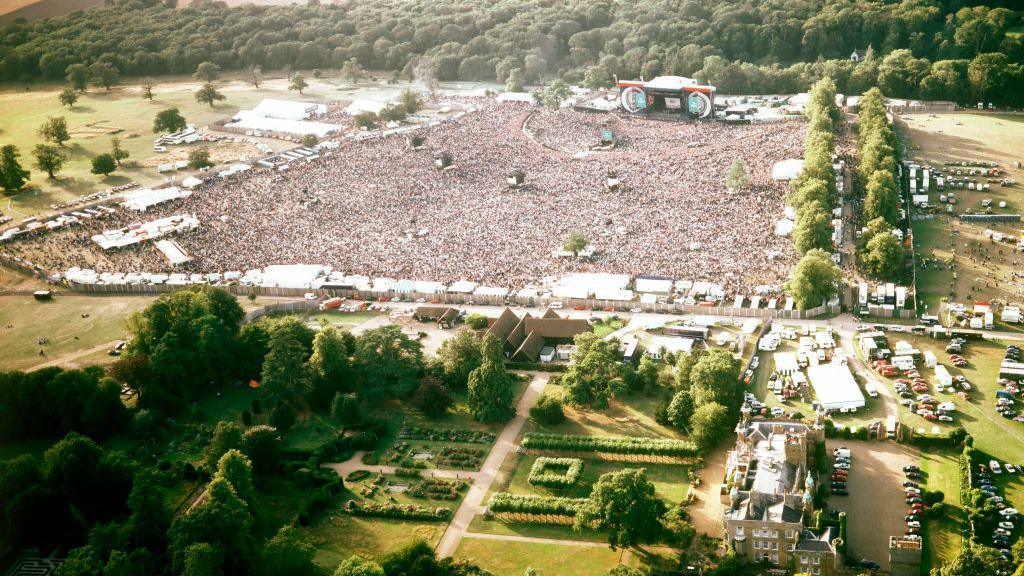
(378, 208)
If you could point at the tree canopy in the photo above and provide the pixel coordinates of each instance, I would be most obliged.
(623, 503)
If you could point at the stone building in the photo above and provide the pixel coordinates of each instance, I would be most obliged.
(769, 496)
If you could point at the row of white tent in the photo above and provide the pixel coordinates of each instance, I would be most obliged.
(315, 276)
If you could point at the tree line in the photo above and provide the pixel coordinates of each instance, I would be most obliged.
(813, 196)
(774, 46)
(879, 252)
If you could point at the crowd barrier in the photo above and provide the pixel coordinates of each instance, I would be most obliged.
(470, 299)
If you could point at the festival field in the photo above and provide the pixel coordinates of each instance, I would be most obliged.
(385, 210)
(938, 138)
(100, 115)
(75, 327)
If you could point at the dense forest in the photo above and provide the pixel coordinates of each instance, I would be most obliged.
(927, 48)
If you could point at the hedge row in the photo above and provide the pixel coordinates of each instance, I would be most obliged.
(446, 434)
(610, 444)
(541, 474)
(404, 512)
(528, 504)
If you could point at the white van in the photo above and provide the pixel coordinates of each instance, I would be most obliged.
(994, 466)
(870, 389)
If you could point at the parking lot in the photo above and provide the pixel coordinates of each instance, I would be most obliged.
(875, 507)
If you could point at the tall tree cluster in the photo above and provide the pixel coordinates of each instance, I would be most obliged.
(879, 252)
(182, 344)
(813, 196)
(930, 48)
(815, 278)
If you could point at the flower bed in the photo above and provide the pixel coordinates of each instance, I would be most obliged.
(438, 489)
(446, 435)
(555, 472)
(461, 458)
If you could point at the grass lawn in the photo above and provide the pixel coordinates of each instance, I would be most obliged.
(627, 415)
(337, 536)
(505, 558)
(609, 325)
(342, 320)
(483, 525)
(670, 482)
(23, 320)
(942, 535)
(992, 433)
(99, 115)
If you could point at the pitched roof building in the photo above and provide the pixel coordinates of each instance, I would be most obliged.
(523, 338)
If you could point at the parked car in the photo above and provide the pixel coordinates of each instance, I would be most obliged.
(869, 564)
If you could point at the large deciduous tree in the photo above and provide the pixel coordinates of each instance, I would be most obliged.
(623, 503)
(388, 362)
(55, 130)
(814, 279)
(595, 374)
(460, 355)
(168, 120)
(49, 159)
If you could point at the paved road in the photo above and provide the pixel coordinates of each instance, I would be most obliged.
(473, 503)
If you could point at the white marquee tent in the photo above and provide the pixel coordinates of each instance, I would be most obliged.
(835, 387)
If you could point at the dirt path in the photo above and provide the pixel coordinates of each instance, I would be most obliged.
(472, 504)
(706, 510)
(65, 358)
(355, 463)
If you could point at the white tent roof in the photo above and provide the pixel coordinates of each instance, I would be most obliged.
(250, 120)
(784, 227)
(291, 275)
(462, 287)
(491, 291)
(835, 387)
(287, 109)
(364, 106)
(786, 362)
(146, 197)
(172, 251)
(787, 169)
(515, 97)
(654, 285)
(581, 285)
